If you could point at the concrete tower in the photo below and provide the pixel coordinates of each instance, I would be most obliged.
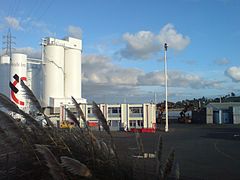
(61, 71)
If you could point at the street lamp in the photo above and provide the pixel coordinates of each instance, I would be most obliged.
(166, 92)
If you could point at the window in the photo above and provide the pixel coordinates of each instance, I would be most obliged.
(136, 112)
(90, 110)
(114, 112)
(132, 123)
(140, 123)
(114, 123)
(136, 109)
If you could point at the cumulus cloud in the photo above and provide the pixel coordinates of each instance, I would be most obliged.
(177, 79)
(145, 44)
(75, 32)
(233, 73)
(31, 52)
(223, 61)
(100, 70)
(104, 80)
(175, 40)
(12, 22)
(141, 45)
(39, 26)
(26, 24)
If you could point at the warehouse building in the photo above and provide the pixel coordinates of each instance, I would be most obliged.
(223, 113)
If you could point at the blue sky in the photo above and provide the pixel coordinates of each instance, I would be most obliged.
(123, 40)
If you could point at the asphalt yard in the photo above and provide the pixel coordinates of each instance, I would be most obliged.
(202, 151)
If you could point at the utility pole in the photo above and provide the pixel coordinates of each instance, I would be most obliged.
(8, 41)
(166, 91)
(155, 97)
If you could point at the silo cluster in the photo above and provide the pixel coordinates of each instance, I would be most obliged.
(53, 80)
(61, 71)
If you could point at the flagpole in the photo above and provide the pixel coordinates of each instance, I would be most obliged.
(166, 89)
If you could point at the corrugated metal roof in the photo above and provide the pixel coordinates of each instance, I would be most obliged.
(224, 105)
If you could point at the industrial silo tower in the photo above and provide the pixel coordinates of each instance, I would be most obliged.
(61, 71)
(18, 72)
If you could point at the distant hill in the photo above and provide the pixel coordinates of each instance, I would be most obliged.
(232, 99)
(198, 103)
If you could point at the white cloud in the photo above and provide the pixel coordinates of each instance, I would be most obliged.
(75, 32)
(31, 52)
(223, 61)
(26, 24)
(39, 26)
(177, 79)
(12, 22)
(104, 80)
(141, 45)
(145, 44)
(175, 40)
(233, 73)
(100, 70)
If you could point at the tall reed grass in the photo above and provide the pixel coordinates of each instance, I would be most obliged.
(30, 151)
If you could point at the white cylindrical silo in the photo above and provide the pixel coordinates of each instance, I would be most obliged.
(19, 68)
(72, 73)
(34, 76)
(5, 75)
(53, 73)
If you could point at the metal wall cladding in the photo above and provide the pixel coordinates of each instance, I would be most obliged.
(236, 115)
(209, 115)
(53, 73)
(19, 68)
(72, 73)
(226, 117)
(5, 75)
(216, 119)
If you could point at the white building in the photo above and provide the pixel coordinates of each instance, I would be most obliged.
(122, 116)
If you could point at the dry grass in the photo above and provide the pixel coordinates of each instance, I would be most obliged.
(30, 151)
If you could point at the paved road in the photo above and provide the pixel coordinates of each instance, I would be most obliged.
(202, 151)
